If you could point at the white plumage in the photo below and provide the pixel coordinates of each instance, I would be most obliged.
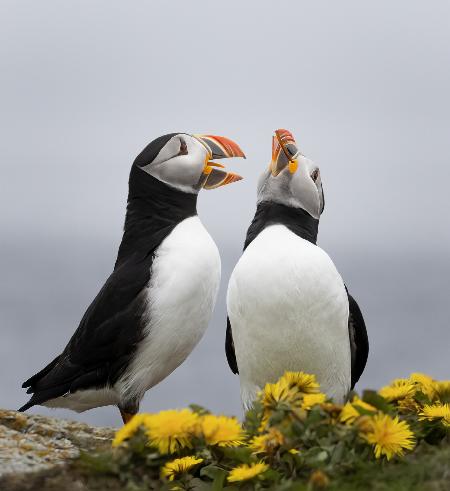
(288, 309)
(181, 296)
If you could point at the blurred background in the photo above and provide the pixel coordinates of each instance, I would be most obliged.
(85, 85)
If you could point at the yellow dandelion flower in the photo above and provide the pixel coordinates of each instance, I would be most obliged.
(425, 383)
(349, 414)
(398, 389)
(350, 411)
(363, 404)
(319, 479)
(303, 382)
(273, 394)
(129, 429)
(310, 400)
(436, 411)
(245, 472)
(364, 424)
(332, 409)
(408, 404)
(294, 451)
(268, 442)
(389, 436)
(443, 389)
(221, 430)
(179, 466)
(171, 430)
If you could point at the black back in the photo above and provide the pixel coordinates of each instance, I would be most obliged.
(359, 341)
(110, 330)
(305, 226)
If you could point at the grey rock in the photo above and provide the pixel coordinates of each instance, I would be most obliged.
(34, 447)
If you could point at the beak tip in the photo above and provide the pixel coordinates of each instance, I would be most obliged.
(234, 178)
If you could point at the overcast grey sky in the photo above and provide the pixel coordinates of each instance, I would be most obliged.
(364, 87)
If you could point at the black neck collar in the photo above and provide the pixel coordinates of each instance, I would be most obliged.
(296, 220)
(154, 209)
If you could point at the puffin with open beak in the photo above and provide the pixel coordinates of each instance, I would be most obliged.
(288, 307)
(154, 308)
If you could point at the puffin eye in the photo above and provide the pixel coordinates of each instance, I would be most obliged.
(315, 175)
(183, 148)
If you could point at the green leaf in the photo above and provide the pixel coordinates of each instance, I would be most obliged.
(196, 484)
(101, 463)
(240, 454)
(217, 474)
(271, 475)
(372, 397)
(253, 418)
(338, 452)
(212, 471)
(200, 410)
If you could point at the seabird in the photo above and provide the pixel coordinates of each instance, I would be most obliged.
(154, 308)
(288, 307)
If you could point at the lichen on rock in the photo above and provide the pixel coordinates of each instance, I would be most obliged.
(32, 447)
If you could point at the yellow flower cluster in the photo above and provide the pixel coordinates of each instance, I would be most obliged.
(172, 430)
(390, 436)
(437, 411)
(168, 431)
(403, 391)
(282, 404)
(294, 391)
(404, 394)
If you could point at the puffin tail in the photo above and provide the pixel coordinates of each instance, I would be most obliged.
(26, 406)
(41, 394)
(32, 380)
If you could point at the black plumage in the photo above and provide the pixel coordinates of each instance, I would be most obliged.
(305, 226)
(106, 339)
(359, 342)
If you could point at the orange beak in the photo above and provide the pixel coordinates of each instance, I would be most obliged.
(218, 147)
(284, 152)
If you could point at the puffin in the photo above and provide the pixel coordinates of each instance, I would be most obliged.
(288, 307)
(156, 305)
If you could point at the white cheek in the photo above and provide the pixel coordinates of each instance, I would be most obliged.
(305, 194)
(179, 172)
(171, 148)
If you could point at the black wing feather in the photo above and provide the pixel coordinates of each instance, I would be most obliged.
(229, 349)
(40, 374)
(359, 341)
(105, 340)
(112, 326)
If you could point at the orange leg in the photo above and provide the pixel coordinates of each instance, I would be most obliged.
(126, 417)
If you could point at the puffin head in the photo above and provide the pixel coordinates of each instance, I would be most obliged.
(183, 161)
(292, 179)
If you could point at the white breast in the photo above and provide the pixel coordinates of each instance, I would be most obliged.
(181, 296)
(288, 310)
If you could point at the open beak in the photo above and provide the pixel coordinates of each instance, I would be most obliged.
(218, 147)
(284, 152)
